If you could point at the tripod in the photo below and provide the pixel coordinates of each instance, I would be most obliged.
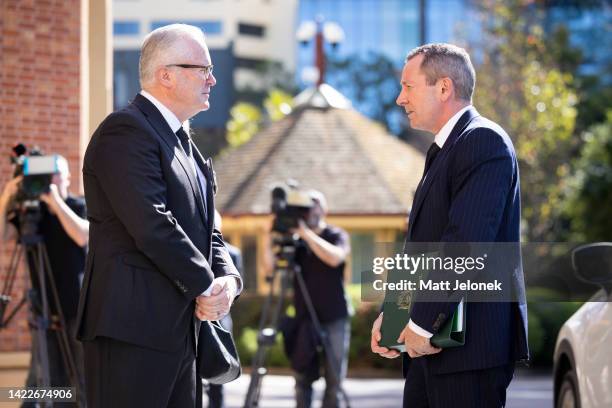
(285, 268)
(42, 319)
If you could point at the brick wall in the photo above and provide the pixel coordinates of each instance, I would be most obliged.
(39, 103)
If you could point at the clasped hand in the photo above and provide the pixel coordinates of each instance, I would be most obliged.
(217, 305)
(416, 346)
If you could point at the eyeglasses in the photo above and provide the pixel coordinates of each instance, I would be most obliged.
(206, 70)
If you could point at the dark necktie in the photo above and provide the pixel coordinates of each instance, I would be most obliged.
(186, 145)
(185, 142)
(433, 151)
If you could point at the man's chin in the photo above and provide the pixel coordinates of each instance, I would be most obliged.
(414, 125)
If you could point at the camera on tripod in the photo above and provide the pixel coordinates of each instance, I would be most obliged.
(37, 171)
(290, 204)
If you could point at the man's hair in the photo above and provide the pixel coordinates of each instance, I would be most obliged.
(447, 61)
(165, 45)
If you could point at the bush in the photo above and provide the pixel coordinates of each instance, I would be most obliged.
(247, 347)
(545, 321)
(247, 311)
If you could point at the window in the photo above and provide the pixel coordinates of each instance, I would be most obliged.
(252, 30)
(126, 28)
(209, 27)
(250, 63)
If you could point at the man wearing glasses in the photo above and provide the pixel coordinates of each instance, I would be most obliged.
(156, 265)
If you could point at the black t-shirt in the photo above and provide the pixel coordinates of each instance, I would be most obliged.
(66, 258)
(325, 284)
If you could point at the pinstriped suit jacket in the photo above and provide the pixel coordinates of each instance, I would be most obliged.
(472, 194)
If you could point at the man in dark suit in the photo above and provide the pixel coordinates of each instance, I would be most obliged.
(155, 260)
(469, 193)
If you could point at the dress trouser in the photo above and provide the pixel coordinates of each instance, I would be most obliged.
(119, 374)
(468, 389)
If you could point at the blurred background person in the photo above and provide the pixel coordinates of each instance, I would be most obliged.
(65, 232)
(321, 252)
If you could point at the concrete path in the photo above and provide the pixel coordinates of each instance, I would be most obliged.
(528, 390)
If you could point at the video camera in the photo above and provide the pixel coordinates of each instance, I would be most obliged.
(37, 170)
(289, 205)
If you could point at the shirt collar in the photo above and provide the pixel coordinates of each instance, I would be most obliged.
(170, 117)
(443, 134)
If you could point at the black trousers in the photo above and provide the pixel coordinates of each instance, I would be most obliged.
(119, 374)
(468, 389)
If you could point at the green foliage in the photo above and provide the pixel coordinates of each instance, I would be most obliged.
(244, 123)
(521, 88)
(247, 347)
(247, 311)
(535, 333)
(246, 118)
(271, 75)
(545, 319)
(589, 189)
(277, 104)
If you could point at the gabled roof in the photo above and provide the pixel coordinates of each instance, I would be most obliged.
(359, 167)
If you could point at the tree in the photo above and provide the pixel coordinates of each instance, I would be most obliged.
(270, 75)
(589, 189)
(243, 123)
(523, 90)
(247, 118)
(371, 83)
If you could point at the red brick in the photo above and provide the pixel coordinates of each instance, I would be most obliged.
(39, 98)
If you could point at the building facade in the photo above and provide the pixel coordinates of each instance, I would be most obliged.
(242, 35)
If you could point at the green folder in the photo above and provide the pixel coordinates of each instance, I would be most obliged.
(396, 314)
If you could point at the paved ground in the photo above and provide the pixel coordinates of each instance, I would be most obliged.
(528, 390)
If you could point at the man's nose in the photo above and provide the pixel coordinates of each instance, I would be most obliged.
(400, 100)
(211, 80)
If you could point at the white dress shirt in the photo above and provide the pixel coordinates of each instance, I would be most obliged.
(168, 115)
(175, 124)
(439, 139)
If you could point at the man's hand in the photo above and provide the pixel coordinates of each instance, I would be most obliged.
(416, 346)
(218, 304)
(376, 336)
(10, 188)
(302, 230)
(52, 198)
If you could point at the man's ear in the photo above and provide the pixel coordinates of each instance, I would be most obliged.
(165, 77)
(445, 88)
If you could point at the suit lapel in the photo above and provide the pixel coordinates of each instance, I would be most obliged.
(160, 125)
(428, 178)
(207, 170)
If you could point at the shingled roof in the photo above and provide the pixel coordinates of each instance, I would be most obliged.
(325, 145)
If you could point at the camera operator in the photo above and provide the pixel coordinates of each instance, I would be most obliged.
(65, 231)
(321, 253)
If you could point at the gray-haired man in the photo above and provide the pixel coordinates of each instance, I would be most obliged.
(155, 258)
